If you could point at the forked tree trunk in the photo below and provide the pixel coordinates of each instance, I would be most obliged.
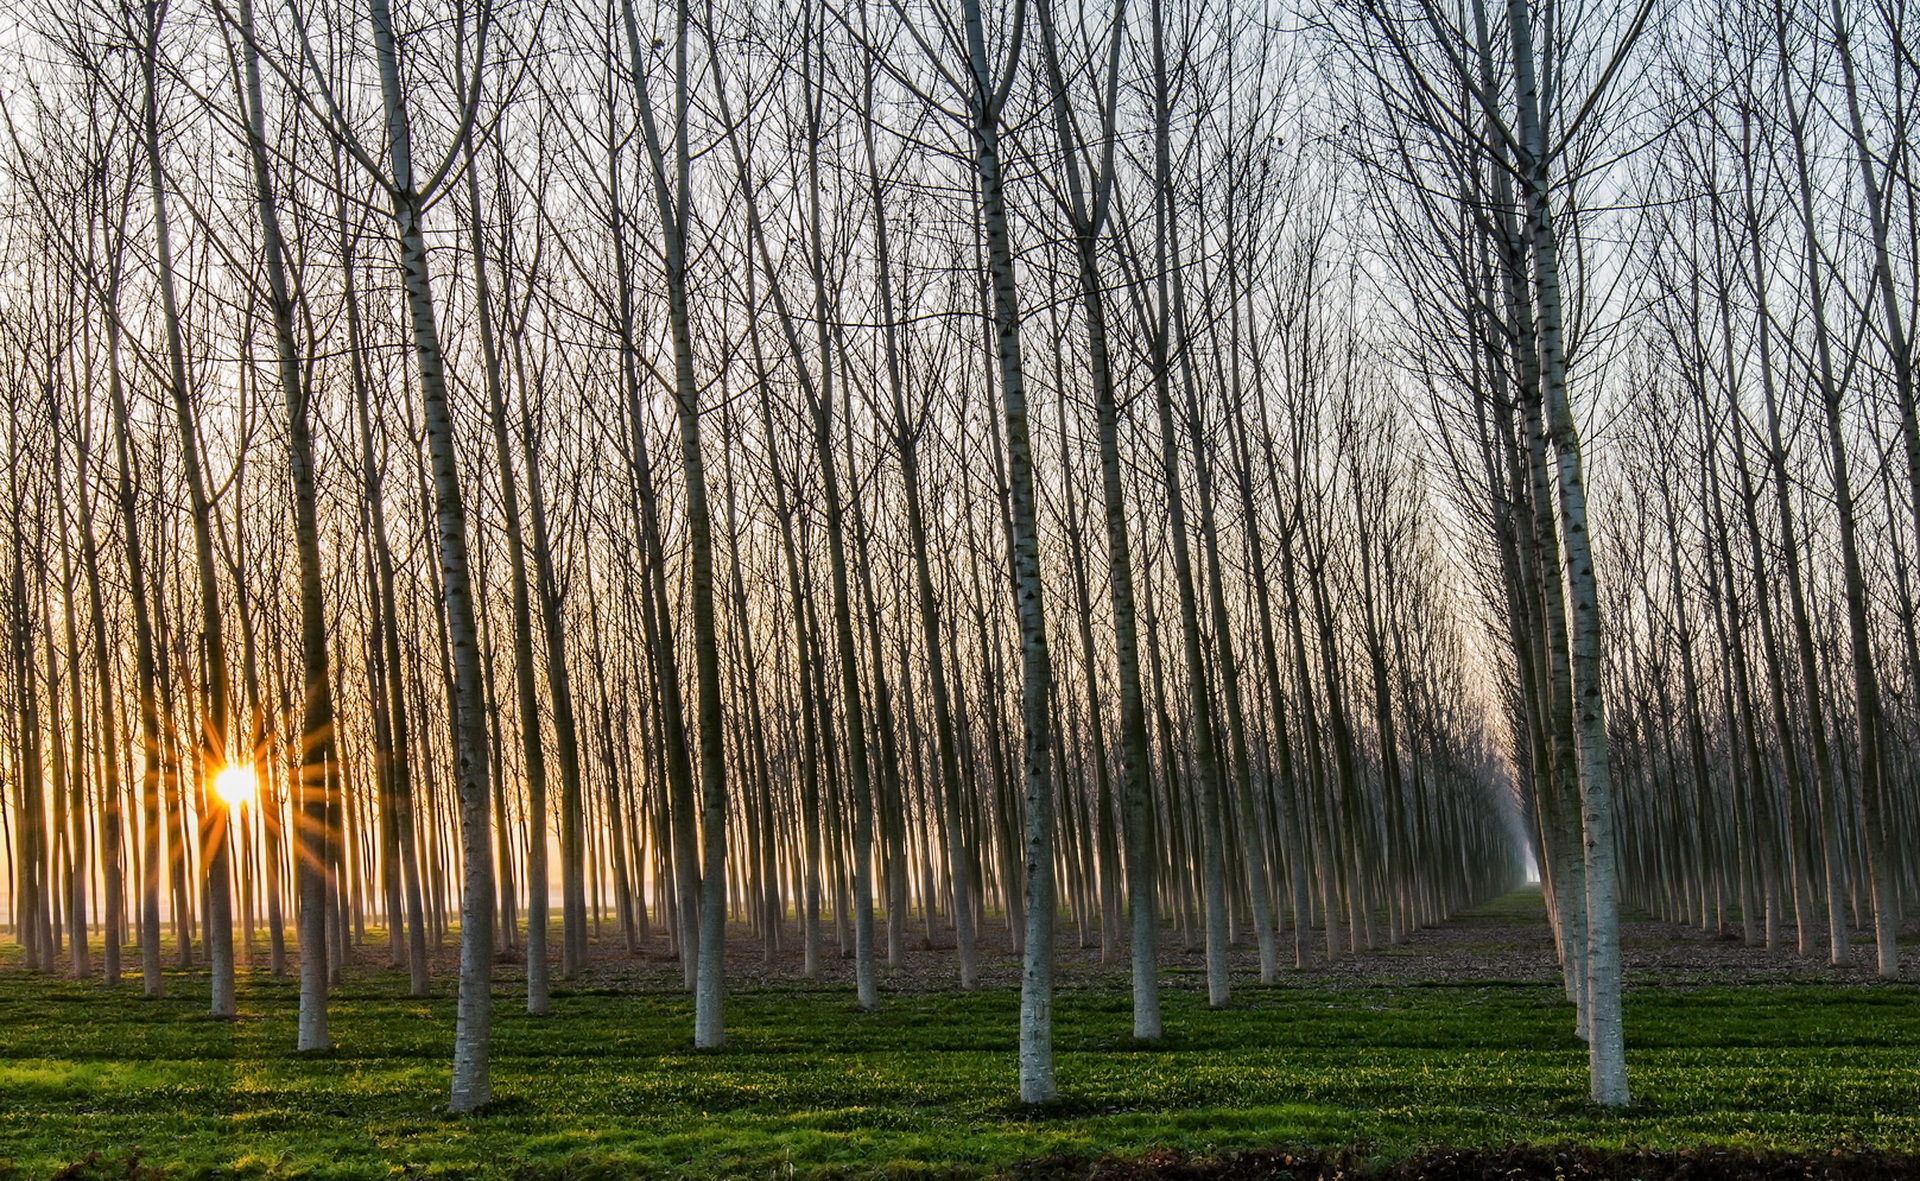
(473, 1026)
(671, 185)
(1088, 211)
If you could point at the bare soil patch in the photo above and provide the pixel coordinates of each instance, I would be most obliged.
(1507, 941)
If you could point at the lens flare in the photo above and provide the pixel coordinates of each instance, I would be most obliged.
(235, 785)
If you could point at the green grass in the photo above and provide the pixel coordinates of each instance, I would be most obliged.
(609, 1084)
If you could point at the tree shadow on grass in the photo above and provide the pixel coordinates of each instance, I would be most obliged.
(1515, 1162)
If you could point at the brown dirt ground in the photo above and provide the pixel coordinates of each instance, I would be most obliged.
(1506, 942)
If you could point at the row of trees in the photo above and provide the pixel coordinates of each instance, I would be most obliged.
(1768, 491)
(1723, 251)
(882, 473)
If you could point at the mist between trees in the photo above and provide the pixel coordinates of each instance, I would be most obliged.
(837, 475)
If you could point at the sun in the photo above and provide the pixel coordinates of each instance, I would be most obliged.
(235, 785)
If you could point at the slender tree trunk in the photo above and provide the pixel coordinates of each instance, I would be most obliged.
(985, 101)
(215, 853)
(671, 197)
(526, 689)
(317, 742)
(1879, 800)
(1606, 1036)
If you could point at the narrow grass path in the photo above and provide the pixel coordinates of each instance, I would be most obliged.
(608, 1085)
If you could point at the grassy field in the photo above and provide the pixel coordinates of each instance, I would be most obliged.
(608, 1085)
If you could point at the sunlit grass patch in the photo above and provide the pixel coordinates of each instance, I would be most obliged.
(609, 1085)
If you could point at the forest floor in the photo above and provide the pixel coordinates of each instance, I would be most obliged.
(1460, 1036)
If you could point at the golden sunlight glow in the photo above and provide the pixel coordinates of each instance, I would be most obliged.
(235, 785)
